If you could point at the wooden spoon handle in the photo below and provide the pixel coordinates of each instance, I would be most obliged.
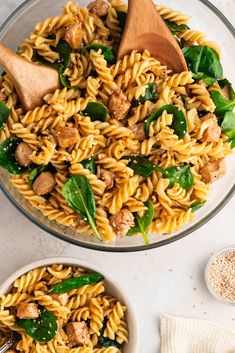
(9, 60)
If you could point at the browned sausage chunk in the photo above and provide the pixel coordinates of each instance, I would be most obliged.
(44, 183)
(213, 132)
(27, 311)
(23, 153)
(139, 131)
(77, 333)
(61, 298)
(67, 136)
(213, 171)
(108, 178)
(74, 35)
(99, 8)
(119, 105)
(122, 221)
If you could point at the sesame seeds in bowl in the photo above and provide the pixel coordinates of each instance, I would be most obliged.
(220, 275)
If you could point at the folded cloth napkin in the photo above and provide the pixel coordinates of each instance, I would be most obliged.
(179, 335)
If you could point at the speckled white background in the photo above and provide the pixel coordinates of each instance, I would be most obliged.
(166, 280)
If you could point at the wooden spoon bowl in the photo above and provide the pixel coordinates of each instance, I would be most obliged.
(145, 29)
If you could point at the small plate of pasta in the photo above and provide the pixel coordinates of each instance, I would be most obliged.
(126, 155)
(65, 305)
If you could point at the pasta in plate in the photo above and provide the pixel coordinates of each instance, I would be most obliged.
(79, 311)
(144, 142)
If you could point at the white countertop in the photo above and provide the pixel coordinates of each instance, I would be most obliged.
(165, 280)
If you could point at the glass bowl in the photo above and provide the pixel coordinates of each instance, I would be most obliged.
(206, 18)
(207, 270)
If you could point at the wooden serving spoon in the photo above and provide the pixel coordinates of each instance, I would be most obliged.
(145, 29)
(31, 81)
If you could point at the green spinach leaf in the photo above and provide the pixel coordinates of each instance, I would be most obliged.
(41, 60)
(105, 341)
(197, 206)
(141, 165)
(75, 283)
(42, 329)
(64, 50)
(122, 19)
(79, 195)
(4, 114)
(222, 104)
(181, 175)
(107, 52)
(207, 79)
(142, 223)
(179, 124)
(228, 127)
(90, 165)
(96, 111)
(225, 83)
(176, 28)
(204, 61)
(150, 93)
(7, 156)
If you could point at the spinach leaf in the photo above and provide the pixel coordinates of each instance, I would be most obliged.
(181, 175)
(197, 206)
(175, 28)
(41, 60)
(107, 52)
(141, 165)
(7, 156)
(42, 329)
(228, 127)
(64, 50)
(90, 165)
(150, 93)
(207, 79)
(142, 223)
(179, 124)
(222, 104)
(63, 79)
(96, 111)
(4, 114)
(225, 83)
(203, 61)
(122, 19)
(79, 195)
(75, 283)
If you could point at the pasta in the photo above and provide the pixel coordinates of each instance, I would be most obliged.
(82, 316)
(67, 138)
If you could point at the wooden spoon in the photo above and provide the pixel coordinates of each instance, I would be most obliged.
(31, 81)
(145, 29)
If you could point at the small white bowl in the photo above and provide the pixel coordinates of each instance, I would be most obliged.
(207, 269)
(111, 285)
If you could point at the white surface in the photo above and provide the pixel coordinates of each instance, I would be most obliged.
(165, 280)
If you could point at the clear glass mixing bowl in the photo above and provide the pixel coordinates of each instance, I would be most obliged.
(206, 18)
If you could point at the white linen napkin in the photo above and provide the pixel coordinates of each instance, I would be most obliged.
(180, 335)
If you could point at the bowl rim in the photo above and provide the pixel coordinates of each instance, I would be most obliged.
(64, 260)
(206, 274)
(113, 248)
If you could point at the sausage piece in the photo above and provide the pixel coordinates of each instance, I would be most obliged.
(119, 105)
(139, 131)
(27, 311)
(213, 132)
(61, 298)
(122, 221)
(99, 8)
(108, 178)
(74, 35)
(23, 153)
(44, 183)
(213, 171)
(77, 333)
(67, 136)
